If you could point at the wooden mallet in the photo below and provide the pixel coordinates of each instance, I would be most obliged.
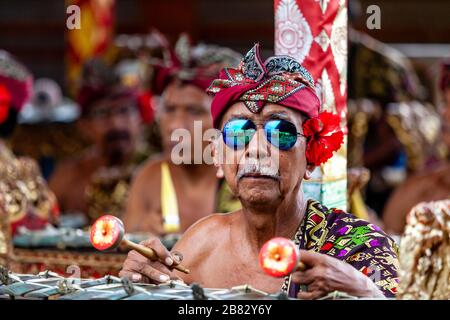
(107, 233)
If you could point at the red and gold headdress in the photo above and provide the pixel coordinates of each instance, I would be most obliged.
(196, 65)
(280, 80)
(15, 85)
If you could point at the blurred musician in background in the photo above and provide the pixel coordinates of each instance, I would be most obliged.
(172, 191)
(97, 180)
(429, 185)
(25, 200)
(386, 106)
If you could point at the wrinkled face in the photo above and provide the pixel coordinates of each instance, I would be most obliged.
(114, 127)
(260, 174)
(184, 107)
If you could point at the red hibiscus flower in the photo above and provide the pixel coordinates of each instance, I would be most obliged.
(324, 136)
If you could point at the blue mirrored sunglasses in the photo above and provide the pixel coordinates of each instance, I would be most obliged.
(237, 133)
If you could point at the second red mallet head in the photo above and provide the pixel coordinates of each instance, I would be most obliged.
(280, 257)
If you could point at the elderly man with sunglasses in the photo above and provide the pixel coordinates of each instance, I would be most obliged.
(272, 137)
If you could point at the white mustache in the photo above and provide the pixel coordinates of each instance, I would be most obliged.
(258, 168)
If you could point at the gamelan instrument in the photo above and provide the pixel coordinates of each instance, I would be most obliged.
(48, 285)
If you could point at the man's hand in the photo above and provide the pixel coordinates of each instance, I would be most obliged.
(140, 269)
(325, 274)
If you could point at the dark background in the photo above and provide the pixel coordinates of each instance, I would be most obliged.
(34, 30)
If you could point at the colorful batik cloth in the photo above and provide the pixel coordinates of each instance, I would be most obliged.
(343, 236)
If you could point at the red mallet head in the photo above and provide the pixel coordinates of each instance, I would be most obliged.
(107, 233)
(278, 257)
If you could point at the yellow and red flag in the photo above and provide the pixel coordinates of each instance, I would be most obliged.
(93, 37)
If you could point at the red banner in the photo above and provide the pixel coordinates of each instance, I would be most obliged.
(315, 33)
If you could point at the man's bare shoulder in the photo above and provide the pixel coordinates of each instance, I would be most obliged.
(150, 168)
(208, 232)
(214, 221)
(423, 180)
(86, 161)
(147, 176)
(67, 169)
(71, 164)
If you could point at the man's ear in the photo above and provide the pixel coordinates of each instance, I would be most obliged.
(308, 172)
(217, 159)
(156, 103)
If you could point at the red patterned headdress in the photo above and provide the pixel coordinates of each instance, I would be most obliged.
(99, 83)
(279, 80)
(16, 82)
(196, 65)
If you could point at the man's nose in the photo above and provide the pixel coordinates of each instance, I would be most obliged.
(178, 121)
(258, 146)
(116, 120)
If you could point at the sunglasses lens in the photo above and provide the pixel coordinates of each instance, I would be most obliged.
(281, 133)
(238, 133)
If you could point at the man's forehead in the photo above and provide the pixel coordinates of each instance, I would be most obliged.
(269, 111)
(185, 94)
(111, 102)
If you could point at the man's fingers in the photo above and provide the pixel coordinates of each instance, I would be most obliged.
(309, 295)
(153, 274)
(145, 270)
(164, 269)
(134, 277)
(140, 269)
(311, 258)
(136, 256)
(162, 252)
(125, 274)
(177, 257)
(303, 277)
(301, 267)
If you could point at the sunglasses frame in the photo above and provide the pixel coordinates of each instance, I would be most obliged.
(263, 125)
